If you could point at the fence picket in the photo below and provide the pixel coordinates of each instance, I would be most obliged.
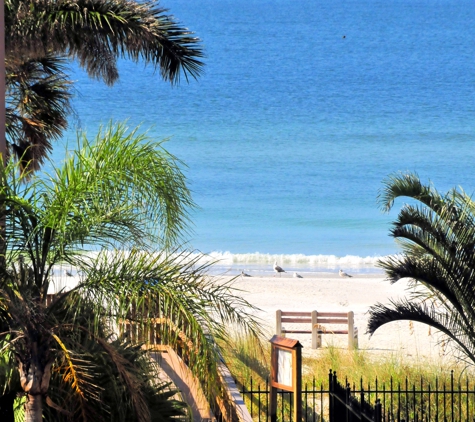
(452, 392)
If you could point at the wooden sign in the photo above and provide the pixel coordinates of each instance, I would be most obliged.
(286, 373)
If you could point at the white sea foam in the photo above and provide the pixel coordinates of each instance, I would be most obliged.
(253, 263)
(262, 262)
(330, 261)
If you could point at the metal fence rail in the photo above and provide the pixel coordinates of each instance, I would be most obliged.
(452, 401)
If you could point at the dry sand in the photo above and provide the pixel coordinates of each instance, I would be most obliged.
(329, 292)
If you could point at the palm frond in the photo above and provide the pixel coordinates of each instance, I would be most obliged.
(169, 300)
(131, 190)
(38, 103)
(428, 314)
(106, 212)
(98, 32)
(437, 238)
(407, 185)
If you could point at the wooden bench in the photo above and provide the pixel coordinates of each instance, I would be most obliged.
(319, 323)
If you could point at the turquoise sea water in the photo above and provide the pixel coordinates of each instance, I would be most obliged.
(303, 109)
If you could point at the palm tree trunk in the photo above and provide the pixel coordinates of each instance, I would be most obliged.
(34, 379)
(34, 408)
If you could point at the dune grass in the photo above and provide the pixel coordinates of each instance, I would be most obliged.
(362, 370)
(246, 360)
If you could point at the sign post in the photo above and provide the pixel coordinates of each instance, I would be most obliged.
(286, 374)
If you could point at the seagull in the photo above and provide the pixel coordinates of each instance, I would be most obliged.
(297, 275)
(343, 274)
(243, 274)
(278, 269)
(68, 273)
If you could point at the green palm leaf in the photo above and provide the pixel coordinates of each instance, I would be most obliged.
(42, 36)
(116, 211)
(437, 238)
(98, 33)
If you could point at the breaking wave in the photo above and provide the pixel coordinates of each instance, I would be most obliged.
(263, 263)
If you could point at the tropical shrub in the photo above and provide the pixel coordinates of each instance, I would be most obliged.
(115, 211)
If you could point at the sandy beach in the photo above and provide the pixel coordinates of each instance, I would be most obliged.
(329, 292)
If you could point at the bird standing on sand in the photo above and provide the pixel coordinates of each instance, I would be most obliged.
(243, 274)
(343, 274)
(278, 269)
(297, 275)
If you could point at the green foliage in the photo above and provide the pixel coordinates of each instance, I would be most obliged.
(437, 237)
(247, 357)
(97, 33)
(43, 36)
(38, 95)
(127, 390)
(359, 368)
(115, 211)
(246, 362)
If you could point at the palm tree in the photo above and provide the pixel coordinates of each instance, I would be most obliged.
(92, 377)
(104, 212)
(38, 103)
(96, 33)
(437, 237)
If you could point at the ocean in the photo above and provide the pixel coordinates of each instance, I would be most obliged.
(302, 111)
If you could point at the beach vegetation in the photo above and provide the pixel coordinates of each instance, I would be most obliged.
(246, 362)
(436, 234)
(116, 212)
(42, 36)
(393, 377)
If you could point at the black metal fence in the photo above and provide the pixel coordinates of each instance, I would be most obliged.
(451, 401)
(257, 400)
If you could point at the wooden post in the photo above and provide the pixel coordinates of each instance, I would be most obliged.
(315, 344)
(351, 330)
(278, 322)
